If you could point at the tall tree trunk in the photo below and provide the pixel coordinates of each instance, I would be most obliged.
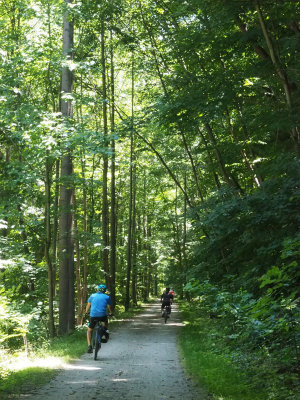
(81, 280)
(178, 238)
(195, 173)
(91, 213)
(66, 246)
(47, 246)
(280, 71)
(184, 239)
(85, 240)
(251, 167)
(78, 265)
(134, 239)
(55, 225)
(229, 179)
(5, 229)
(105, 216)
(149, 270)
(129, 244)
(113, 213)
(22, 223)
(145, 247)
(211, 162)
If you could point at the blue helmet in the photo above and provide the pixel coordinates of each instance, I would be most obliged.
(101, 288)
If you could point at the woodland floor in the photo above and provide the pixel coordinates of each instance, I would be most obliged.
(140, 360)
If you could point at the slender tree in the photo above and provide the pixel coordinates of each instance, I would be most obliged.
(105, 211)
(113, 209)
(51, 281)
(66, 245)
(130, 210)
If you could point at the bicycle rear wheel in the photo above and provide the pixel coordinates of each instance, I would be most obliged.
(97, 343)
(168, 312)
(165, 315)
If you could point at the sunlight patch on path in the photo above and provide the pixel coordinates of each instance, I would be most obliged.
(80, 367)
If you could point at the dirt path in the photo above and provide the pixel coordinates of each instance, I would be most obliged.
(140, 361)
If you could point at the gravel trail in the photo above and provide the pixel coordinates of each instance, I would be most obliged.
(140, 361)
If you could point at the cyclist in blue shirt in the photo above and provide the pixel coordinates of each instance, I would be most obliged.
(97, 304)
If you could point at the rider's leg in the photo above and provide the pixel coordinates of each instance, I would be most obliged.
(89, 336)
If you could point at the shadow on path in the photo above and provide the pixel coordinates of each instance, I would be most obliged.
(140, 361)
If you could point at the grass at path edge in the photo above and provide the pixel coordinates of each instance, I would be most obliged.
(58, 351)
(208, 363)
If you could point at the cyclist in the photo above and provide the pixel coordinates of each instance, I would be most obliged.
(166, 299)
(97, 304)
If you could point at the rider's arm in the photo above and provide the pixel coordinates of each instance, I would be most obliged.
(109, 308)
(88, 306)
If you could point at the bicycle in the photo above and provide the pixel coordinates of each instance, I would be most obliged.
(100, 335)
(166, 313)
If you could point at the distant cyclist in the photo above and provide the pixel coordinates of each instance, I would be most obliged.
(97, 305)
(166, 299)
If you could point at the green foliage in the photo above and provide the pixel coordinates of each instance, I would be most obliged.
(245, 233)
(208, 360)
(261, 336)
(212, 106)
(13, 326)
(25, 379)
(55, 352)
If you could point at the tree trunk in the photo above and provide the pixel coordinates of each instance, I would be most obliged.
(47, 246)
(280, 71)
(211, 162)
(85, 240)
(113, 214)
(129, 244)
(55, 226)
(229, 179)
(255, 177)
(134, 239)
(184, 249)
(105, 216)
(78, 266)
(66, 246)
(5, 229)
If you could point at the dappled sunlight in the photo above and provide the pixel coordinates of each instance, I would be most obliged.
(21, 362)
(82, 382)
(139, 353)
(81, 367)
(147, 315)
(170, 323)
(122, 320)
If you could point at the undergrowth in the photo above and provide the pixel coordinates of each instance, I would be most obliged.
(213, 364)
